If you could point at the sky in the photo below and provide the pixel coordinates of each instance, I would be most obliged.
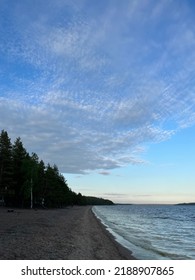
(104, 89)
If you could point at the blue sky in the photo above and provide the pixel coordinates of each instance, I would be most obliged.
(105, 90)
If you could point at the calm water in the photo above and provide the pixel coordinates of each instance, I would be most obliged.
(152, 231)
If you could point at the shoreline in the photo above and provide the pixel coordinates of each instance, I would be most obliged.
(123, 251)
(72, 233)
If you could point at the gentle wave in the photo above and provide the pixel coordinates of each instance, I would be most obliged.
(151, 232)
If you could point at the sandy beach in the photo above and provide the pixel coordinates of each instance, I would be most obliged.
(73, 233)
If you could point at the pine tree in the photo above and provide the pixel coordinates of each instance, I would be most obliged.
(33, 175)
(39, 193)
(29, 185)
(25, 181)
(6, 167)
(20, 156)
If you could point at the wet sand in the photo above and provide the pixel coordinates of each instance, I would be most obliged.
(73, 233)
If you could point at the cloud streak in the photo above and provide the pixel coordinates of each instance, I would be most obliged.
(87, 91)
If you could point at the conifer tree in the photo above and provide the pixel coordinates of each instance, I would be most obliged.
(26, 182)
(20, 156)
(6, 167)
(41, 187)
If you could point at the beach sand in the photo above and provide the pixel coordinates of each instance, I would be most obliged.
(73, 233)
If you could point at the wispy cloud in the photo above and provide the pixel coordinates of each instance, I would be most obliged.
(115, 194)
(87, 86)
(105, 173)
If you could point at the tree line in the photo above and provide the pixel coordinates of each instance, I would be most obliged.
(25, 180)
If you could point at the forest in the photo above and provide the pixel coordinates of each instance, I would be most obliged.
(27, 182)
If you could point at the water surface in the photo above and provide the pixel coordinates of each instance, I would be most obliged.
(152, 231)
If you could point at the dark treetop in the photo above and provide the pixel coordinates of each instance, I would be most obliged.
(25, 181)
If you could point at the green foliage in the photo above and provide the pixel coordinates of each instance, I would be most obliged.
(20, 159)
(6, 167)
(26, 181)
(90, 200)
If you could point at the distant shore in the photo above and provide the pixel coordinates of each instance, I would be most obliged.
(73, 233)
(186, 204)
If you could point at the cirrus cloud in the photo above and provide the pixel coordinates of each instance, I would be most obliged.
(87, 91)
